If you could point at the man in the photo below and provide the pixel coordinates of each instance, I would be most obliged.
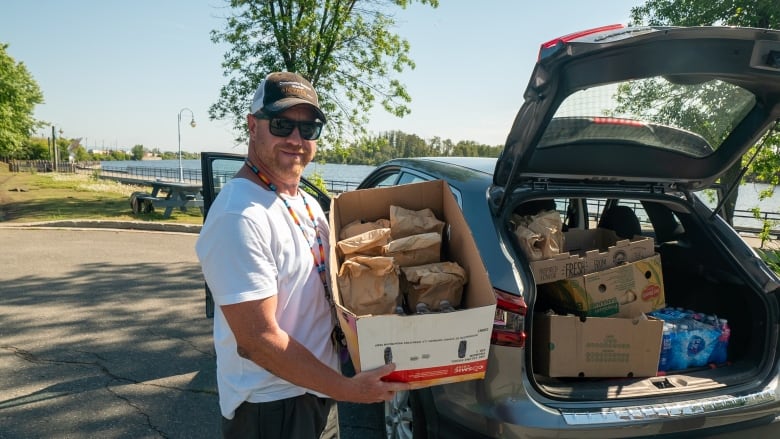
(262, 250)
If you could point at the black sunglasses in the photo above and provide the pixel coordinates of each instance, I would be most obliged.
(310, 130)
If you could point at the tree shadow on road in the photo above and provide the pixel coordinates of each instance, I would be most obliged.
(107, 350)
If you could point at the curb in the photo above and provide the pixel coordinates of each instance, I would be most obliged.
(101, 224)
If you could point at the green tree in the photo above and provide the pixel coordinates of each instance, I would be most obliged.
(34, 148)
(62, 149)
(19, 94)
(344, 47)
(117, 155)
(748, 13)
(373, 150)
(80, 154)
(137, 152)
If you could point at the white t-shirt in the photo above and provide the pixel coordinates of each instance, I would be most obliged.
(251, 248)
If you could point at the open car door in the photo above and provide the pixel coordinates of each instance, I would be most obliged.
(217, 169)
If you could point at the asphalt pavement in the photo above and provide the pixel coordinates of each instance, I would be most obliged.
(103, 334)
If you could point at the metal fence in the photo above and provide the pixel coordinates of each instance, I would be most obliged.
(189, 175)
(194, 176)
(39, 166)
(771, 218)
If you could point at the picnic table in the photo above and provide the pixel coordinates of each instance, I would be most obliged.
(168, 194)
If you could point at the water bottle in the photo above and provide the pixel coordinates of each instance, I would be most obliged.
(679, 353)
(422, 308)
(665, 314)
(664, 361)
(445, 306)
(700, 344)
(724, 338)
(720, 354)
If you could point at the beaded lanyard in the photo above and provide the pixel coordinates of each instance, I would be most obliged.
(319, 263)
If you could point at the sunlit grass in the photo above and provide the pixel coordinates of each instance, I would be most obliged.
(33, 197)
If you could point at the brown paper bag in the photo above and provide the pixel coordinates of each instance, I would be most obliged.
(369, 285)
(540, 236)
(359, 226)
(368, 243)
(530, 242)
(405, 222)
(549, 225)
(421, 249)
(432, 283)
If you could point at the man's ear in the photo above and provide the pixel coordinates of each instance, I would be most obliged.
(251, 121)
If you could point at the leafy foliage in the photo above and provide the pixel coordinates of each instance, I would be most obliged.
(33, 148)
(747, 13)
(374, 150)
(317, 180)
(137, 152)
(19, 94)
(766, 165)
(343, 47)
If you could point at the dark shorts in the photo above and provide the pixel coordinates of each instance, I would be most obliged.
(302, 417)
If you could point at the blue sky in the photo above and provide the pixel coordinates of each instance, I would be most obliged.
(117, 73)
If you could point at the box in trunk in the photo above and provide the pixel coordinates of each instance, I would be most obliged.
(628, 290)
(589, 251)
(568, 346)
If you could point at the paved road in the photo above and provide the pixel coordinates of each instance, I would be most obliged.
(103, 334)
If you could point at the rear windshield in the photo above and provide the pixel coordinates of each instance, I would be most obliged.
(655, 112)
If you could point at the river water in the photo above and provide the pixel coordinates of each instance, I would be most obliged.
(349, 173)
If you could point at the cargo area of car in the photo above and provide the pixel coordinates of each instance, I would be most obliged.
(699, 273)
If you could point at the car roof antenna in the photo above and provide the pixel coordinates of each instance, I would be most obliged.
(744, 170)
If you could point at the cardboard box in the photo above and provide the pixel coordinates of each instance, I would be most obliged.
(589, 251)
(427, 349)
(628, 290)
(566, 346)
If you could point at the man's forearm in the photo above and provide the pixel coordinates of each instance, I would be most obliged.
(288, 359)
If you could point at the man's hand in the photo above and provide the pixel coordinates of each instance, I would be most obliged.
(369, 387)
(259, 339)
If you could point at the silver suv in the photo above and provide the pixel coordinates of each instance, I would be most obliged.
(621, 128)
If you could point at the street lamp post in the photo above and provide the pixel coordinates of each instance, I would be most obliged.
(192, 124)
(55, 151)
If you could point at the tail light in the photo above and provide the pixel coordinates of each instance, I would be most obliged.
(552, 45)
(509, 320)
(617, 121)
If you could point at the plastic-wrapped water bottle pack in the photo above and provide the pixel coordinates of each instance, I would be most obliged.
(691, 339)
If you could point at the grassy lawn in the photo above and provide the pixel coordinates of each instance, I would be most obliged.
(33, 197)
